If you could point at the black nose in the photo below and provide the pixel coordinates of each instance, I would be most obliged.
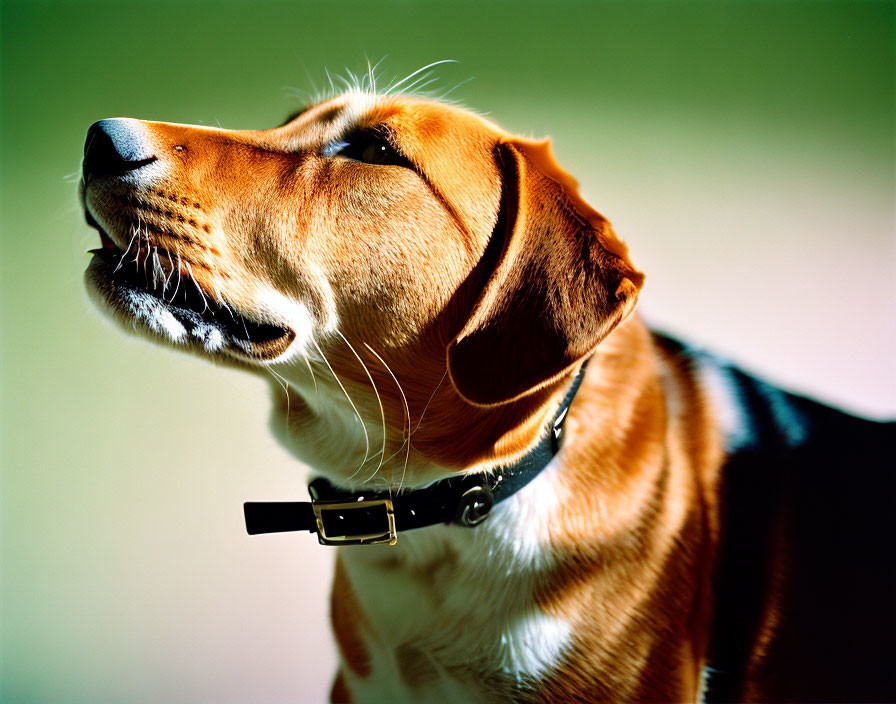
(115, 146)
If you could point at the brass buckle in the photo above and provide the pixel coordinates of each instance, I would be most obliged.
(388, 535)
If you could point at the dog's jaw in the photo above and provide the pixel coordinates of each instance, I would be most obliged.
(160, 269)
(337, 427)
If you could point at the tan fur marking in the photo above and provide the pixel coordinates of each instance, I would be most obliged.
(348, 621)
(415, 667)
(636, 539)
(339, 693)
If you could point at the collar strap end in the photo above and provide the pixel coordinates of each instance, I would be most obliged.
(277, 516)
(341, 517)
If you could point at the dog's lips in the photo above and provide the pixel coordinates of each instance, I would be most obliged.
(106, 241)
(176, 306)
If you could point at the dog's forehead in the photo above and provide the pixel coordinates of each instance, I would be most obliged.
(453, 149)
(318, 123)
(411, 120)
(422, 127)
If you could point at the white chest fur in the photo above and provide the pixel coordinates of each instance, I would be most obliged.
(451, 611)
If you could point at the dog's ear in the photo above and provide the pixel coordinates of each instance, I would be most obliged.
(562, 282)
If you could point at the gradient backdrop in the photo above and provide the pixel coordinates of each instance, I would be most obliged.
(744, 150)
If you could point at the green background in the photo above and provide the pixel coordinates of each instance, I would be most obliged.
(744, 150)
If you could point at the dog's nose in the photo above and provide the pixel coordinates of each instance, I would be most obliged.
(116, 146)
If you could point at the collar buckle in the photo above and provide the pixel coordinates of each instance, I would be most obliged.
(362, 522)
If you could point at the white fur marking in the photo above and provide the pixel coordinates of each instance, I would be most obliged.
(467, 600)
(534, 644)
(522, 520)
(718, 385)
(152, 312)
(295, 314)
(211, 337)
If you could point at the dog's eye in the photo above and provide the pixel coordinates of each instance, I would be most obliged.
(368, 147)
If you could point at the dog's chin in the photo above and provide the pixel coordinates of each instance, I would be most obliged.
(179, 312)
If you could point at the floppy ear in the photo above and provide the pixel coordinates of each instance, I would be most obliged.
(562, 282)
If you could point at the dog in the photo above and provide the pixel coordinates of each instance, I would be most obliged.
(536, 498)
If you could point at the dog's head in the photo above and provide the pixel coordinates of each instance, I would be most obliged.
(386, 253)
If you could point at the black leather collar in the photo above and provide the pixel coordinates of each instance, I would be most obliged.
(340, 517)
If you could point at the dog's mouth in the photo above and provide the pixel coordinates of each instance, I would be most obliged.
(149, 284)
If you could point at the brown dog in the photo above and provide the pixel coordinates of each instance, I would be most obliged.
(430, 288)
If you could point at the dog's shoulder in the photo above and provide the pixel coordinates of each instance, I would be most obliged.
(757, 417)
(805, 500)
(830, 468)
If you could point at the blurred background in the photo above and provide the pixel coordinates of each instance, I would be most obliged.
(744, 150)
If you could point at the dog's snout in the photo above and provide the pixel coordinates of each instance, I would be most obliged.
(116, 146)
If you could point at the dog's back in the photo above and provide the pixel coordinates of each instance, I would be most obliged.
(805, 580)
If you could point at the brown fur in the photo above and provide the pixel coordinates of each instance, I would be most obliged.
(348, 623)
(339, 693)
(639, 534)
(473, 290)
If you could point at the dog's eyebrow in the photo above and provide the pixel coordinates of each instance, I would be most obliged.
(294, 115)
(326, 116)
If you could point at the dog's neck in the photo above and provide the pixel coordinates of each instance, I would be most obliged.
(511, 580)
(625, 387)
(353, 430)
(320, 419)
(515, 580)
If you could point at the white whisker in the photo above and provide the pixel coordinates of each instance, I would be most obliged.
(141, 237)
(426, 407)
(229, 310)
(285, 385)
(243, 323)
(370, 83)
(130, 242)
(144, 236)
(216, 289)
(157, 269)
(168, 278)
(371, 74)
(349, 80)
(448, 92)
(351, 403)
(393, 87)
(420, 420)
(378, 400)
(311, 371)
(179, 273)
(407, 415)
(198, 288)
(418, 86)
(311, 79)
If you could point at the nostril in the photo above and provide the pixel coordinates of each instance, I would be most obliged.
(115, 146)
(100, 154)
